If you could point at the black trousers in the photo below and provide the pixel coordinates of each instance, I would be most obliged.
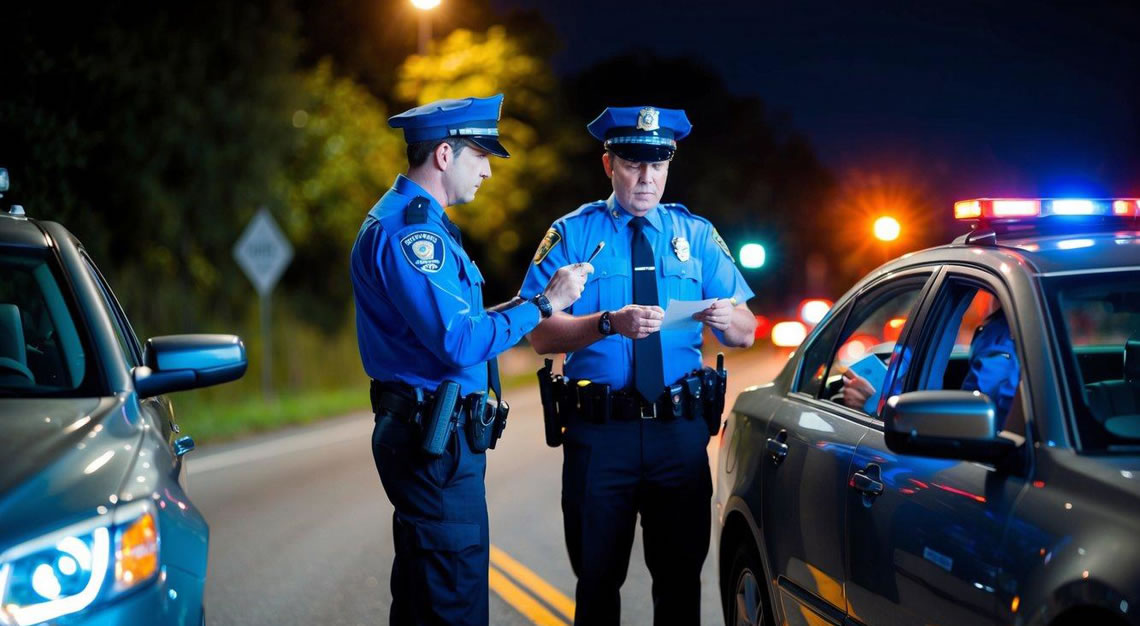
(612, 473)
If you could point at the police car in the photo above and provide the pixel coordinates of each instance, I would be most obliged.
(95, 523)
(992, 480)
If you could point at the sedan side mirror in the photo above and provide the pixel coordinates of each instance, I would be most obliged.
(958, 425)
(180, 362)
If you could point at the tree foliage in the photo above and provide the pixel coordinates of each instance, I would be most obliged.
(466, 63)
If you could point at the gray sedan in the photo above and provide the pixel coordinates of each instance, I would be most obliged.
(910, 466)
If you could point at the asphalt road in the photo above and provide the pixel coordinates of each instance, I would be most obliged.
(301, 528)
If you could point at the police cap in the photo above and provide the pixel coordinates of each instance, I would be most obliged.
(644, 134)
(475, 119)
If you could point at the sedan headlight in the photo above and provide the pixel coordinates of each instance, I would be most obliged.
(68, 570)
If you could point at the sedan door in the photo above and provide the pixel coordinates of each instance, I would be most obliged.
(925, 534)
(810, 443)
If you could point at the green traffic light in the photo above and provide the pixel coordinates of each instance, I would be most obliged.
(752, 256)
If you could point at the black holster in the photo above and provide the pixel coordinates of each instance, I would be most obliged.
(439, 418)
(714, 386)
(551, 390)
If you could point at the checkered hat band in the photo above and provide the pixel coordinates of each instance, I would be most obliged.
(646, 140)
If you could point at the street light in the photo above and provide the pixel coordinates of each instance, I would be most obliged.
(425, 21)
(887, 228)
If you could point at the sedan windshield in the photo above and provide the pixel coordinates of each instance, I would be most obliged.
(43, 352)
(1096, 318)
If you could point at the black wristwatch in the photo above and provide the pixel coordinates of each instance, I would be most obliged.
(605, 325)
(543, 304)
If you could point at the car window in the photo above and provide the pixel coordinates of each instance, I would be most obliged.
(817, 354)
(43, 351)
(123, 333)
(1096, 319)
(968, 345)
(867, 345)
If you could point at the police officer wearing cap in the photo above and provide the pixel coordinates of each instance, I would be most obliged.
(430, 347)
(638, 450)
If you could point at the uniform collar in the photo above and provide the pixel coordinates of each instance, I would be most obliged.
(410, 188)
(620, 217)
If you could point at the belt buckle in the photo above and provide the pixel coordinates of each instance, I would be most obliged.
(641, 410)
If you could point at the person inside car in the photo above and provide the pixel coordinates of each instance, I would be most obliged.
(993, 367)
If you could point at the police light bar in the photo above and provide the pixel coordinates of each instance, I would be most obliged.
(1015, 209)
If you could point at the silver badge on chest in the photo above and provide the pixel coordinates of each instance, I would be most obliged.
(681, 248)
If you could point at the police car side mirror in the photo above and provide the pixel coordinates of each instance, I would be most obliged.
(946, 424)
(179, 362)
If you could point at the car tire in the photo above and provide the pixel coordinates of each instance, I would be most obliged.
(745, 589)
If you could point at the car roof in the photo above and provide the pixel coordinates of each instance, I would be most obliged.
(22, 232)
(1079, 252)
(1040, 254)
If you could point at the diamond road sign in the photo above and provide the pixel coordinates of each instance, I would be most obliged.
(263, 252)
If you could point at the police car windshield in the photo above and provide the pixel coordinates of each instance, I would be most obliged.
(43, 352)
(1097, 324)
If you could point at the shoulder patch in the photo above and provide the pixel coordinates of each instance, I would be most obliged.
(424, 250)
(720, 242)
(548, 242)
(417, 211)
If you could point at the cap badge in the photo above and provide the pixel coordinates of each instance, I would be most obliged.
(648, 119)
(681, 248)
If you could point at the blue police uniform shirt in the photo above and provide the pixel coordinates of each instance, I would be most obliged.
(419, 300)
(994, 369)
(691, 265)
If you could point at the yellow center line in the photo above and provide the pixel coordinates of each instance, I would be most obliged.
(539, 587)
(522, 602)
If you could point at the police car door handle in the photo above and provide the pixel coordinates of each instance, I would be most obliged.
(777, 449)
(865, 481)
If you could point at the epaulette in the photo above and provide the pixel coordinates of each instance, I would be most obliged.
(417, 211)
(680, 208)
(585, 208)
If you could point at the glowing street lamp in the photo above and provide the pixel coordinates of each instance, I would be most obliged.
(425, 21)
(887, 228)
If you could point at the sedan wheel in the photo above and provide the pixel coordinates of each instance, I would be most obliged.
(746, 605)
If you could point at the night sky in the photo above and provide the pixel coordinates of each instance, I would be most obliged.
(981, 98)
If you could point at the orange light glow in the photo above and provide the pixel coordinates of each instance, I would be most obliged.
(137, 558)
(788, 334)
(967, 210)
(893, 329)
(1013, 606)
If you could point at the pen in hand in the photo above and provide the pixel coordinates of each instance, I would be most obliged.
(601, 244)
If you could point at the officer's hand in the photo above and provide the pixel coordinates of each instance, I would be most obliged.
(718, 315)
(566, 286)
(636, 321)
(856, 390)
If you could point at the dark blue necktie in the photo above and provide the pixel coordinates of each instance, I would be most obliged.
(648, 374)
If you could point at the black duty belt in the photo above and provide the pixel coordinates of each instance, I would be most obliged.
(596, 403)
(405, 402)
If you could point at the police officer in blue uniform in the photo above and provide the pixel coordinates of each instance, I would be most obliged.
(421, 323)
(637, 450)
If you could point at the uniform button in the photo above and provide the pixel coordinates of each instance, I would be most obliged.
(614, 213)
